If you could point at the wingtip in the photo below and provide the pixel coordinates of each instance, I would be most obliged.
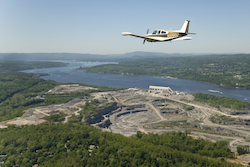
(126, 33)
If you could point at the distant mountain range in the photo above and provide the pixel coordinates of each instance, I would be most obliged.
(85, 57)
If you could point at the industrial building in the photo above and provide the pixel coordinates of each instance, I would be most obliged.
(161, 89)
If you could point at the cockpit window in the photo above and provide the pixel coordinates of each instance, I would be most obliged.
(163, 32)
(154, 32)
(159, 32)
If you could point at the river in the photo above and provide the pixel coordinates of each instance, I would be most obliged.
(69, 74)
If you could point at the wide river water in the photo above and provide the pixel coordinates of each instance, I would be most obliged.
(69, 74)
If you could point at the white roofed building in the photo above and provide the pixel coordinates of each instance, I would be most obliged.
(161, 89)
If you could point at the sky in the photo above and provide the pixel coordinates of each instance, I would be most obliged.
(81, 26)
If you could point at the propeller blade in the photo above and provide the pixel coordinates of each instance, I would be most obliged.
(146, 34)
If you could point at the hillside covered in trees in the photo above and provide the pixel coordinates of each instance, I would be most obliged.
(77, 144)
(230, 71)
(19, 91)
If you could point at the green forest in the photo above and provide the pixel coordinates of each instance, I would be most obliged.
(77, 144)
(229, 71)
(18, 90)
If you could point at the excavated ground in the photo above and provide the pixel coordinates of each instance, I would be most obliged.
(158, 113)
(138, 110)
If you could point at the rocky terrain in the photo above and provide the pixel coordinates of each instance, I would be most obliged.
(135, 110)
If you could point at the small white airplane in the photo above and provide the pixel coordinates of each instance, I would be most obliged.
(165, 35)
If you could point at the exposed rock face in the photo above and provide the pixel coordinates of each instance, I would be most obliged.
(130, 112)
(99, 117)
(105, 124)
(239, 112)
(215, 129)
(93, 119)
(236, 122)
(171, 112)
(234, 111)
(109, 109)
(124, 113)
(134, 106)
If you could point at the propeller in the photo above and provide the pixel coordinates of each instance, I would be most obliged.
(144, 38)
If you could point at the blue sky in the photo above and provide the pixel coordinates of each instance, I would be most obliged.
(80, 26)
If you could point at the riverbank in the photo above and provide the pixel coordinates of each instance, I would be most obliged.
(227, 71)
(69, 74)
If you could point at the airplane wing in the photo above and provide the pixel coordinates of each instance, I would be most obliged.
(146, 38)
(129, 33)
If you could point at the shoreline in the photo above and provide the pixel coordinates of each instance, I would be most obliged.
(127, 74)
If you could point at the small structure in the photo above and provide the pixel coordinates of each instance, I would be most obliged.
(161, 89)
(91, 147)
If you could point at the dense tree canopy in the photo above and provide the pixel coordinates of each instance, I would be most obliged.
(19, 91)
(77, 144)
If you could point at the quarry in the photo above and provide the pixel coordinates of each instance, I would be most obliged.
(156, 110)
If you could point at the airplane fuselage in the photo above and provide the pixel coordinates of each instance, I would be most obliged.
(163, 35)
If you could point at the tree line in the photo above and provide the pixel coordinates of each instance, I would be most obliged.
(226, 102)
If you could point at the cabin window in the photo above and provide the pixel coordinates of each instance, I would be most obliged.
(163, 32)
(154, 32)
(159, 32)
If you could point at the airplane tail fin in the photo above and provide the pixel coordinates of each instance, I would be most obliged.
(185, 27)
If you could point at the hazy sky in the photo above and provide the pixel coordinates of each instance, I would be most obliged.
(81, 26)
